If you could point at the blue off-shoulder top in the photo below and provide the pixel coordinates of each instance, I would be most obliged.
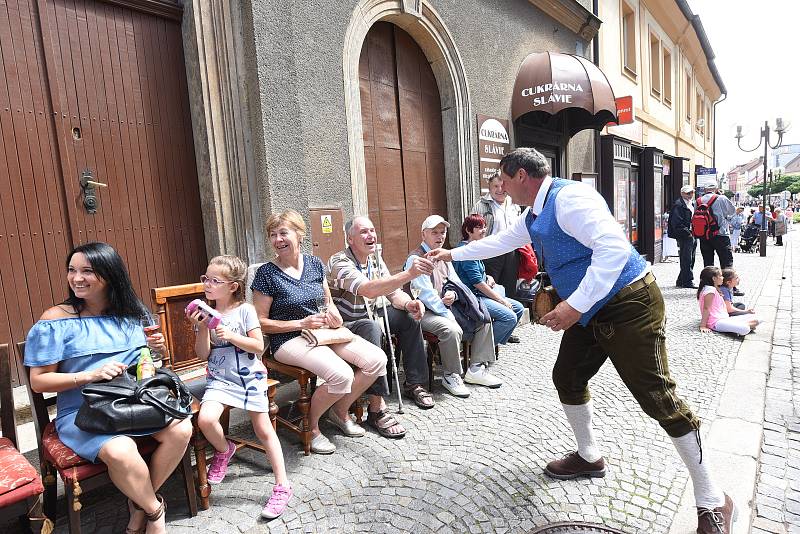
(80, 344)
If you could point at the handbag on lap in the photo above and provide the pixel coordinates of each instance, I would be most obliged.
(124, 404)
(327, 336)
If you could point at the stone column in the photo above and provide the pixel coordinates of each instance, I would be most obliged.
(215, 51)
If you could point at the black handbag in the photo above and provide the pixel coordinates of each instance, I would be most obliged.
(124, 404)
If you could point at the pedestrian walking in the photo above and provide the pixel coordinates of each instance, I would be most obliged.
(737, 221)
(781, 227)
(612, 309)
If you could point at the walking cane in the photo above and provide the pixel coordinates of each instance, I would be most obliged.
(378, 249)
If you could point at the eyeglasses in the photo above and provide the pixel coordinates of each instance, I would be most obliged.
(214, 281)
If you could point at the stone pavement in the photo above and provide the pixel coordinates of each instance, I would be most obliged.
(475, 465)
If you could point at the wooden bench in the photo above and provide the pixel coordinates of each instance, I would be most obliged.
(171, 304)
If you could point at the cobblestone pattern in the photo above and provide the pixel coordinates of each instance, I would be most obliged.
(777, 498)
(475, 465)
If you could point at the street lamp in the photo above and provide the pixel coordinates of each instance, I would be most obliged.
(780, 129)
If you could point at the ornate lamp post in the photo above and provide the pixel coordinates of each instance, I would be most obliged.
(780, 129)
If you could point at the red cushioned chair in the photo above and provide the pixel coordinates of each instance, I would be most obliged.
(78, 474)
(20, 486)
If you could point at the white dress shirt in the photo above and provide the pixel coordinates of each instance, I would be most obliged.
(582, 214)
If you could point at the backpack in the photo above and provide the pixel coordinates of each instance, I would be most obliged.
(704, 224)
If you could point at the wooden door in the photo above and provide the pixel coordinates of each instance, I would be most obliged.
(88, 85)
(403, 151)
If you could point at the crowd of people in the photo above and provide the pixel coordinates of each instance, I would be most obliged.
(612, 309)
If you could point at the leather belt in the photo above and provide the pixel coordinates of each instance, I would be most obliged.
(635, 286)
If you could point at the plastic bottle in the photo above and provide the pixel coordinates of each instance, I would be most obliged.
(145, 367)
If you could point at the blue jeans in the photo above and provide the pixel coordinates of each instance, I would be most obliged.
(503, 319)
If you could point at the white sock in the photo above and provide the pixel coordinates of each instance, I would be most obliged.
(475, 367)
(580, 419)
(706, 493)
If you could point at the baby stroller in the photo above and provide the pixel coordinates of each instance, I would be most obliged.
(749, 238)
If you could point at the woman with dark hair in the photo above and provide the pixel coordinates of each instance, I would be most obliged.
(505, 312)
(94, 335)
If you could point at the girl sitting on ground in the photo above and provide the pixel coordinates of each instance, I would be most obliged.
(236, 376)
(713, 313)
(729, 280)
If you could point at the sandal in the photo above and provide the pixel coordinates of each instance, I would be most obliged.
(422, 398)
(155, 516)
(383, 423)
(133, 508)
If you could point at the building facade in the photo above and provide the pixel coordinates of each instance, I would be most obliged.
(200, 119)
(657, 54)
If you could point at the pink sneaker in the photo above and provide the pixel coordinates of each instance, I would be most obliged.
(277, 502)
(219, 464)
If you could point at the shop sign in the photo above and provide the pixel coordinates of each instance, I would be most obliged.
(705, 170)
(624, 111)
(493, 144)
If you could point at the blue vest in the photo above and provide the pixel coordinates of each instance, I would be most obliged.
(566, 260)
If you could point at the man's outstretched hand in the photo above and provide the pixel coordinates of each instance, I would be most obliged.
(562, 317)
(439, 254)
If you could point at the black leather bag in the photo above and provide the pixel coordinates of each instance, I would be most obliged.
(124, 404)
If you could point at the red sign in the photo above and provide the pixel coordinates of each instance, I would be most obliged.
(624, 111)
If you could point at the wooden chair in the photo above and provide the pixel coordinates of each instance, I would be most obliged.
(20, 487)
(78, 474)
(435, 356)
(170, 306)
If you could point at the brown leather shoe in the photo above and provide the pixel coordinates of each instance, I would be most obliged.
(573, 466)
(717, 521)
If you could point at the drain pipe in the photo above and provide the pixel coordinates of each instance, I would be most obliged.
(714, 141)
(596, 61)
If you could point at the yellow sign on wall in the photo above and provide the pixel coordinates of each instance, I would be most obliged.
(327, 224)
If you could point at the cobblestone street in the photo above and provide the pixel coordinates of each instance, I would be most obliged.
(475, 465)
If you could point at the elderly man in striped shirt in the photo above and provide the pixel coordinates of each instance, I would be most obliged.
(359, 286)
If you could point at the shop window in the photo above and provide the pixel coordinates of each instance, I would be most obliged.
(655, 66)
(667, 75)
(628, 40)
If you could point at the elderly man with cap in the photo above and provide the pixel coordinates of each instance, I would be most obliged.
(680, 229)
(439, 320)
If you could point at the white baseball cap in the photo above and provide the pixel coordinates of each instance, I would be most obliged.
(687, 189)
(433, 221)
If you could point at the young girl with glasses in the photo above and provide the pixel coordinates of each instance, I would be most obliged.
(236, 376)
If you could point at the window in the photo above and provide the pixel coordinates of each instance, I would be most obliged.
(698, 125)
(655, 66)
(708, 122)
(667, 75)
(688, 101)
(628, 40)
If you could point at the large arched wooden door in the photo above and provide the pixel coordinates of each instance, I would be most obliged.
(99, 87)
(402, 121)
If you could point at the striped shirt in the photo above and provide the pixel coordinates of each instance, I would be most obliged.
(346, 275)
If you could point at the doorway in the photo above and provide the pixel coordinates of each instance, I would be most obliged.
(93, 90)
(402, 133)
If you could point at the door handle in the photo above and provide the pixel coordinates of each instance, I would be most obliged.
(89, 191)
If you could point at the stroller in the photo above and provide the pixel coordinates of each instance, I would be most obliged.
(749, 238)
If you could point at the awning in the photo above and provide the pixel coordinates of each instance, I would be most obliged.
(562, 92)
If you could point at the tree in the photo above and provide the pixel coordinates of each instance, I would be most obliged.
(790, 182)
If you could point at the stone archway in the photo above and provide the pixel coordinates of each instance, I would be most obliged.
(423, 23)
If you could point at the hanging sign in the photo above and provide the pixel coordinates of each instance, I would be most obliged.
(493, 144)
(624, 111)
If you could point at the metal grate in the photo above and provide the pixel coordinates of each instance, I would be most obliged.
(572, 527)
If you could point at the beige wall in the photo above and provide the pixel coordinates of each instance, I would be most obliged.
(659, 123)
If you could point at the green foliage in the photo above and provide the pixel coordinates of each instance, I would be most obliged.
(785, 182)
(728, 194)
(796, 217)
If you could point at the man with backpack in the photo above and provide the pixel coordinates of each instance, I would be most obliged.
(680, 229)
(711, 225)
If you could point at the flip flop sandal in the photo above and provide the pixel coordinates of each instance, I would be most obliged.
(422, 398)
(382, 422)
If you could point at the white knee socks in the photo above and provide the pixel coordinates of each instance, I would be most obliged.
(706, 493)
(580, 419)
